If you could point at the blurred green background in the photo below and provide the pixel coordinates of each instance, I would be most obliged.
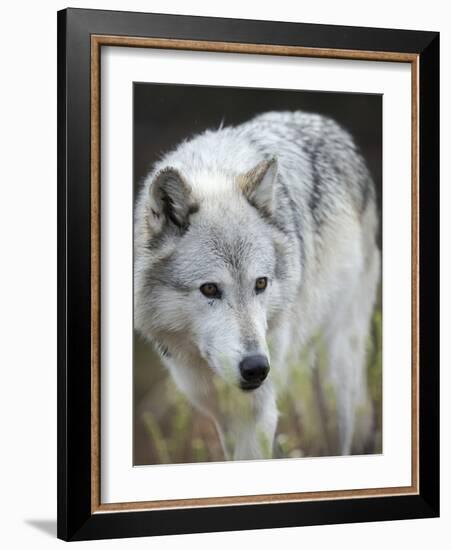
(168, 430)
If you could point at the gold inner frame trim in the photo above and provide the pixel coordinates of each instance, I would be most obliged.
(97, 41)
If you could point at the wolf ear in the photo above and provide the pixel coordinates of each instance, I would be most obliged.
(258, 185)
(169, 200)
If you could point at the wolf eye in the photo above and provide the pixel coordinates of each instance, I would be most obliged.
(210, 290)
(260, 284)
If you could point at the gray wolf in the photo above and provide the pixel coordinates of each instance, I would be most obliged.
(250, 241)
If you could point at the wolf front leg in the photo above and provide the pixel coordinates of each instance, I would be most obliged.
(256, 439)
(345, 391)
(245, 420)
(247, 430)
(347, 356)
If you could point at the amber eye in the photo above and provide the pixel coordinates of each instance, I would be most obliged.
(260, 284)
(210, 290)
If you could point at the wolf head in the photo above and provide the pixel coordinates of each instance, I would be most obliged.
(210, 269)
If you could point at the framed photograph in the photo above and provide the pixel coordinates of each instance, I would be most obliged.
(248, 274)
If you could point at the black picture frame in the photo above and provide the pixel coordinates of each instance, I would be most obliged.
(76, 519)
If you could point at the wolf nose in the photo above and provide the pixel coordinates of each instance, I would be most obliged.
(254, 369)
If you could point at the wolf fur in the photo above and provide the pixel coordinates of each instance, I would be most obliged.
(285, 196)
